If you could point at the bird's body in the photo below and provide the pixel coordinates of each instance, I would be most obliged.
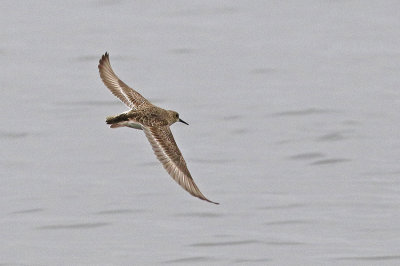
(155, 123)
(149, 117)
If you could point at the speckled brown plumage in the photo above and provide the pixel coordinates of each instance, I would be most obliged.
(155, 123)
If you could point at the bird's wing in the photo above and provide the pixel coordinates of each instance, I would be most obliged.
(127, 95)
(168, 153)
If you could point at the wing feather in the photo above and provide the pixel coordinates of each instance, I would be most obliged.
(168, 153)
(127, 95)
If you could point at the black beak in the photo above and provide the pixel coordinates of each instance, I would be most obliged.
(180, 120)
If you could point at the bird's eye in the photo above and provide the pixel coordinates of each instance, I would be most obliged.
(176, 115)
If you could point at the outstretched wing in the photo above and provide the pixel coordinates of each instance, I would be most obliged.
(127, 95)
(168, 153)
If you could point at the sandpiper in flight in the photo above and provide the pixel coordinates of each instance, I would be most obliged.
(155, 122)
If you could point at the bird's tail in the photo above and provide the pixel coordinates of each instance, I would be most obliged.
(111, 120)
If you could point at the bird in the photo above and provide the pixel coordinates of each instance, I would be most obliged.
(155, 122)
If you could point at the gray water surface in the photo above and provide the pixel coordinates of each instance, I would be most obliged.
(294, 128)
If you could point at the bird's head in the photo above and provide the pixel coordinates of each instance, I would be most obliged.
(175, 117)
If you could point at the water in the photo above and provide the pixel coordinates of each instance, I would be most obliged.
(294, 119)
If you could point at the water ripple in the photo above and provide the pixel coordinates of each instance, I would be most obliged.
(287, 222)
(251, 260)
(13, 135)
(306, 156)
(330, 161)
(199, 215)
(226, 243)
(284, 243)
(370, 258)
(336, 136)
(190, 259)
(118, 211)
(286, 206)
(232, 117)
(14, 264)
(303, 112)
(72, 226)
(28, 211)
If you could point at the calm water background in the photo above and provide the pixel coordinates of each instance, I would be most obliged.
(294, 128)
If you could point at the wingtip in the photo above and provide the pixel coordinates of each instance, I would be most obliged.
(104, 57)
(216, 203)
